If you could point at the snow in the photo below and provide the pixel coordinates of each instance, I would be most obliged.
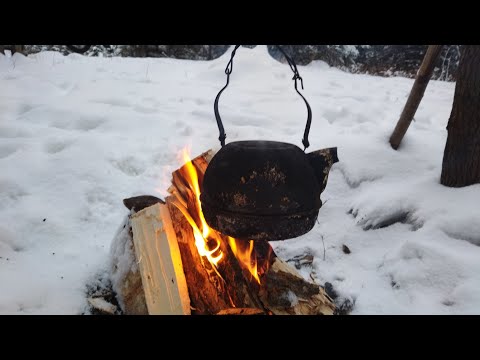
(122, 259)
(79, 134)
(100, 304)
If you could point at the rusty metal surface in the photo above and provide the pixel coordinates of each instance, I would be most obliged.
(265, 190)
(267, 228)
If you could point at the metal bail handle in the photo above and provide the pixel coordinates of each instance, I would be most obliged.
(296, 76)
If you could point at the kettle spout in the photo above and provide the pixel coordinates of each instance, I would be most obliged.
(321, 162)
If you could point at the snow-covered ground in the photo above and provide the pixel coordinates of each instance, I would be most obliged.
(79, 134)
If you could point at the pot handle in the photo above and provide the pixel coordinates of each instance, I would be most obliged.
(296, 76)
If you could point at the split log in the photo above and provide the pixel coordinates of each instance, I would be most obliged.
(125, 275)
(160, 262)
(229, 288)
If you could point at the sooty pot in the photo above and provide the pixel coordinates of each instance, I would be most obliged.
(264, 190)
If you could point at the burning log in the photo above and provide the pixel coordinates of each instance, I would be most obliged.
(187, 267)
(209, 292)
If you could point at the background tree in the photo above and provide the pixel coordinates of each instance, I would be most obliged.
(461, 158)
(416, 94)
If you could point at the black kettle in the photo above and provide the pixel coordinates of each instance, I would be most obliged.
(264, 190)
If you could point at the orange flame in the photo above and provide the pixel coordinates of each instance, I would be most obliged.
(204, 235)
(246, 255)
(201, 235)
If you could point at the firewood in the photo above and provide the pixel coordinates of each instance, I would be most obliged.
(280, 281)
(226, 289)
(241, 311)
(138, 203)
(209, 292)
(287, 292)
(160, 262)
(206, 292)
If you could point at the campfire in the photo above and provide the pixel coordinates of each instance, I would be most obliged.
(183, 266)
(205, 249)
(207, 240)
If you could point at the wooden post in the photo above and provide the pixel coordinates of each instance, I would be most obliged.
(416, 94)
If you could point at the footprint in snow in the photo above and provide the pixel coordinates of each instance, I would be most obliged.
(112, 101)
(144, 110)
(129, 165)
(7, 150)
(54, 147)
(13, 132)
(87, 123)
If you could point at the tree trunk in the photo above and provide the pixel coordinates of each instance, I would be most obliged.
(416, 94)
(461, 158)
